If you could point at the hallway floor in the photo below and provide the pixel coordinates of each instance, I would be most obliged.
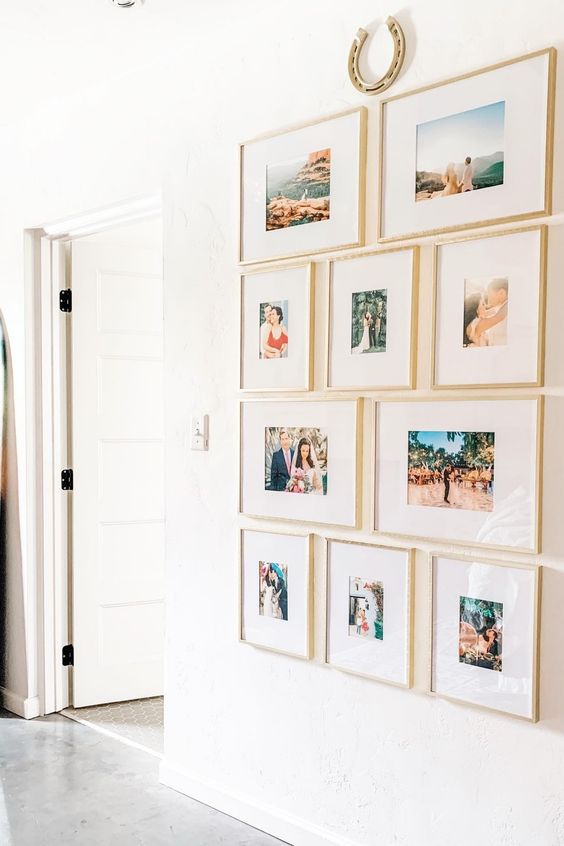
(62, 782)
(139, 722)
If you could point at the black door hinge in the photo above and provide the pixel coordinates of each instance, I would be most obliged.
(67, 480)
(65, 300)
(68, 655)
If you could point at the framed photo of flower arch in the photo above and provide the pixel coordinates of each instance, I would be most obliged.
(302, 189)
(469, 151)
(300, 460)
(369, 610)
(485, 619)
(460, 471)
(276, 595)
(489, 308)
(277, 329)
(372, 337)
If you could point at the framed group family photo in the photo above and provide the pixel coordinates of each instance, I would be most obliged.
(489, 310)
(469, 151)
(276, 329)
(276, 591)
(302, 189)
(460, 471)
(485, 633)
(371, 339)
(369, 610)
(300, 460)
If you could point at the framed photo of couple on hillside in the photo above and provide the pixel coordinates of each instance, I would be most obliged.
(276, 329)
(484, 633)
(275, 596)
(368, 610)
(372, 313)
(460, 471)
(469, 151)
(302, 189)
(300, 460)
(489, 304)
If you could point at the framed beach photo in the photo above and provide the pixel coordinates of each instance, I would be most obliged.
(371, 341)
(300, 460)
(369, 610)
(485, 633)
(276, 593)
(302, 189)
(276, 329)
(489, 303)
(469, 151)
(460, 471)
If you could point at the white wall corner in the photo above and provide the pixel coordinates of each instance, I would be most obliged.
(26, 708)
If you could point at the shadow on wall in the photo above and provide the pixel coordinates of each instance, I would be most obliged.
(13, 654)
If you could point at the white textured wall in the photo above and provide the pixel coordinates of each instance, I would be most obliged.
(101, 102)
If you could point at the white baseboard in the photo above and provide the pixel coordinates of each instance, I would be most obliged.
(287, 827)
(26, 708)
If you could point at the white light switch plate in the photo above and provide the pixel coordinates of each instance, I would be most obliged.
(199, 437)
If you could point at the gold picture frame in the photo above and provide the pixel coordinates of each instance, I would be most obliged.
(410, 615)
(413, 334)
(361, 189)
(542, 229)
(551, 54)
(537, 570)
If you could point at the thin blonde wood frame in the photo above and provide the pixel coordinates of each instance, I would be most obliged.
(358, 401)
(361, 187)
(310, 330)
(537, 569)
(548, 161)
(410, 589)
(415, 250)
(543, 229)
(539, 400)
(310, 589)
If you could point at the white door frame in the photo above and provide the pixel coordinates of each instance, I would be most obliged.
(53, 448)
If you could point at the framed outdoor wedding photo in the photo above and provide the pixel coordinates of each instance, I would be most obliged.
(488, 310)
(485, 619)
(302, 189)
(276, 591)
(369, 605)
(277, 329)
(372, 335)
(469, 151)
(300, 460)
(460, 471)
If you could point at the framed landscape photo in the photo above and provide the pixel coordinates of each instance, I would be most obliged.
(302, 189)
(485, 633)
(469, 151)
(276, 329)
(460, 471)
(276, 594)
(489, 303)
(371, 341)
(369, 610)
(300, 460)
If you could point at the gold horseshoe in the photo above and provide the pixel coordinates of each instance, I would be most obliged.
(399, 55)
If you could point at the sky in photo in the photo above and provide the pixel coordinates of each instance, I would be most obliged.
(476, 132)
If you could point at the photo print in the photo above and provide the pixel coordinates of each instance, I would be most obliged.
(298, 191)
(366, 608)
(273, 335)
(485, 312)
(481, 631)
(451, 470)
(368, 321)
(273, 590)
(295, 460)
(460, 153)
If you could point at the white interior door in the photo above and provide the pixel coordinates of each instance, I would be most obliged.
(118, 463)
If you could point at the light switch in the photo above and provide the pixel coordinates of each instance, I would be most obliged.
(199, 439)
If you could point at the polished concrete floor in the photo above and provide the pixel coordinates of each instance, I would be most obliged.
(62, 782)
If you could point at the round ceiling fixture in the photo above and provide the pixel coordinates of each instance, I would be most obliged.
(125, 4)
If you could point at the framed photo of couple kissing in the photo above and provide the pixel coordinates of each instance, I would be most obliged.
(470, 151)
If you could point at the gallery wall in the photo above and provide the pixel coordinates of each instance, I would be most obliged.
(123, 104)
